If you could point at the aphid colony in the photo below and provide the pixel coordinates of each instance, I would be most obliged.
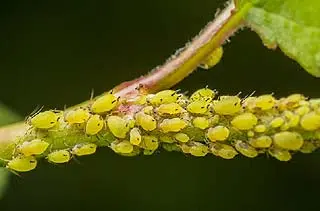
(203, 123)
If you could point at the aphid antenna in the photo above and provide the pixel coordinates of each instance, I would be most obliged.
(35, 111)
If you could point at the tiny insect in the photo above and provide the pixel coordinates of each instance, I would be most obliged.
(203, 94)
(261, 142)
(260, 128)
(245, 121)
(282, 155)
(118, 126)
(172, 125)
(59, 156)
(165, 96)
(288, 140)
(265, 102)
(218, 133)
(198, 107)
(277, 122)
(201, 122)
(135, 136)
(290, 102)
(223, 150)
(22, 164)
(198, 149)
(213, 58)
(146, 121)
(227, 105)
(169, 109)
(310, 121)
(77, 116)
(33, 147)
(45, 120)
(308, 147)
(245, 149)
(122, 147)
(84, 149)
(182, 137)
(302, 110)
(104, 103)
(94, 125)
(167, 139)
(150, 142)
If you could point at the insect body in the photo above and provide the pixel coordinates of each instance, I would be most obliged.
(223, 150)
(310, 121)
(203, 94)
(84, 149)
(150, 142)
(201, 122)
(165, 96)
(218, 133)
(198, 149)
(104, 103)
(77, 116)
(198, 107)
(45, 120)
(22, 164)
(265, 102)
(59, 156)
(135, 136)
(118, 126)
(213, 59)
(261, 142)
(34, 147)
(146, 121)
(246, 149)
(170, 109)
(123, 147)
(245, 121)
(227, 105)
(288, 140)
(94, 125)
(172, 125)
(282, 155)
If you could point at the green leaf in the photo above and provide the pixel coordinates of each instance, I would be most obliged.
(293, 25)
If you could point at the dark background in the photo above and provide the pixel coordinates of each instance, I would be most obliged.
(53, 53)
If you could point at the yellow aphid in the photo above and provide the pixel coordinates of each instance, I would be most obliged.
(282, 155)
(265, 102)
(314, 103)
(203, 94)
(185, 148)
(77, 116)
(302, 110)
(213, 58)
(172, 125)
(277, 122)
(214, 120)
(223, 150)
(308, 147)
(170, 109)
(260, 128)
(22, 164)
(141, 100)
(84, 149)
(59, 156)
(198, 107)
(198, 149)
(94, 125)
(245, 149)
(261, 142)
(182, 137)
(165, 96)
(292, 119)
(245, 121)
(148, 110)
(135, 136)
(227, 105)
(310, 121)
(249, 103)
(218, 133)
(288, 140)
(201, 122)
(146, 121)
(45, 120)
(166, 139)
(285, 126)
(250, 133)
(104, 104)
(123, 147)
(118, 126)
(150, 142)
(34, 147)
(292, 101)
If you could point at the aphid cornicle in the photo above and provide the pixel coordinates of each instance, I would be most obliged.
(33, 147)
(94, 125)
(245, 121)
(146, 121)
(59, 156)
(165, 96)
(227, 105)
(77, 116)
(172, 125)
(45, 120)
(118, 126)
(22, 164)
(84, 149)
(104, 103)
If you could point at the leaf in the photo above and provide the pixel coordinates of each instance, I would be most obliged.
(293, 25)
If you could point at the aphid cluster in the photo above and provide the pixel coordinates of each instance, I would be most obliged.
(202, 124)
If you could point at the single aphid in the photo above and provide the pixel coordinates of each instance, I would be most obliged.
(198, 149)
(260, 128)
(201, 122)
(59, 156)
(302, 110)
(245, 149)
(282, 155)
(165, 96)
(135, 136)
(292, 118)
(203, 94)
(45, 120)
(118, 126)
(218, 133)
(104, 103)
(33, 147)
(227, 105)
(94, 125)
(245, 121)
(148, 110)
(84, 149)
(122, 147)
(182, 137)
(172, 125)
(276, 122)
(223, 150)
(22, 164)
(77, 116)
(213, 58)
(150, 142)
(167, 139)
(310, 121)
(290, 102)
(250, 134)
(198, 107)
(288, 140)
(265, 102)
(261, 142)
(249, 103)
(170, 109)
(185, 148)
(308, 147)
(146, 121)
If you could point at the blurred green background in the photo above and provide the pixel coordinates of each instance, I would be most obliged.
(53, 53)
